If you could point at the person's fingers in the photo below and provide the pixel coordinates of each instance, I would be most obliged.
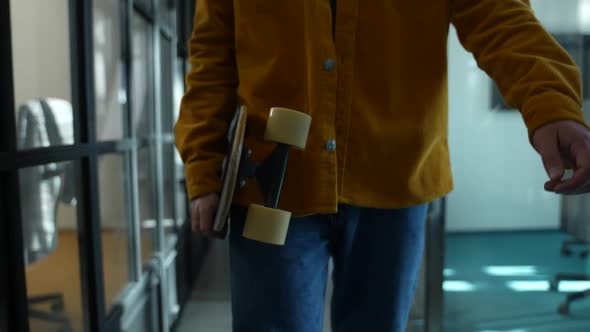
(215, 235)
(576, 183)
(581, 155)
(568, 161)
(207, 213)
(583, 190)
(222, 233)
(195, 216)
(548, 148)
(579, 191)
(550, 185)
(567, 174)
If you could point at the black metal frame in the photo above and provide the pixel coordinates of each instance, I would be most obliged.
(269, 174)
(4, 277)
(13, 295)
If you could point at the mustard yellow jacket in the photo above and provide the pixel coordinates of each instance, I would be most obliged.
(377, 87)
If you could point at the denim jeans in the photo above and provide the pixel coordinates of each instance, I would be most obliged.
(376, 254)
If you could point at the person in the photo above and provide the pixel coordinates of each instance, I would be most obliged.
(373, 77)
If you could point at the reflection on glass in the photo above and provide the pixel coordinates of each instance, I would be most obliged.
(178, 93)
(167, 13)
(48, 209)
(115, 232)
(180, 192)
(143, 78)
(167, 85)
(147, 201)
(143, 117)
(144, 4)
(109, 70)
(167, 118)
(181, 203)
(41, 69)
(169, 181)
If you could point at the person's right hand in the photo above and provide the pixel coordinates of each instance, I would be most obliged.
(203, 210)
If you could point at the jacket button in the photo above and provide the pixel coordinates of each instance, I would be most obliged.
(329, 65)
(331, 145)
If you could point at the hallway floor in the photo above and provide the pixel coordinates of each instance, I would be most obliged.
(501, 281)
(498, 282)
(209, 308)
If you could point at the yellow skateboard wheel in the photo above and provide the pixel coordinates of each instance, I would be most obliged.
(266, 225)
(288, 127)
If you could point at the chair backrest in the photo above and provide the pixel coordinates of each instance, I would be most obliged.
(42, 123)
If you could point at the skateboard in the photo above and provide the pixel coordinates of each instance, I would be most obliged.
(266, 223)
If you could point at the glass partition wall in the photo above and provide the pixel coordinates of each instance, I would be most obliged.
(92, 204)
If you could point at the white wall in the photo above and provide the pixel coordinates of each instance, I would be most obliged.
(498, 176)
(40, 49)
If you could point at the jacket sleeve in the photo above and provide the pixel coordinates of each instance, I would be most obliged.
(533, 72)
(209, 102)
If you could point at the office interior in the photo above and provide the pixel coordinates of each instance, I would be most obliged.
(94, 230)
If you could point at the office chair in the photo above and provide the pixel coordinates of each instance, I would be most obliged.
(566, 247)
(43, 187)
(575, 222)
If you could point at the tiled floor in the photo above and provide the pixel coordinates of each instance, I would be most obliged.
(209, 309)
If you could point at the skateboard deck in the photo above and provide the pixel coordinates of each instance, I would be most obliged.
(229, 175)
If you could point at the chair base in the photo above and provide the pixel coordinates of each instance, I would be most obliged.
(566, 248)
(564, 308)
(56, 310)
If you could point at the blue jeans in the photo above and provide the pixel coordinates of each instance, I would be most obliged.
(376, 254)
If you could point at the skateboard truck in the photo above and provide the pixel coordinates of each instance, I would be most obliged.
(269, 174)
(288, 129)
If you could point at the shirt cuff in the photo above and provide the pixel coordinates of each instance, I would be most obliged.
(550, 107)
(203, 178)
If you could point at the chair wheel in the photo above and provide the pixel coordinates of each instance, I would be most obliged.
(564, 309)
(566, 252)
(288, 127)
(266, 225)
